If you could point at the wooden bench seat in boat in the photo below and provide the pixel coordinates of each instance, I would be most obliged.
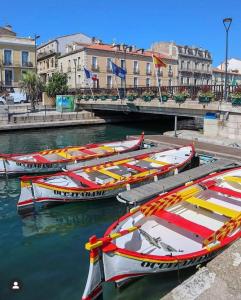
(89, 152)
(158, 162)
(83, 180)
(184, 223)
(231, 213)
(111, 174)
(232, 179)
(134, 167)
(65, 155)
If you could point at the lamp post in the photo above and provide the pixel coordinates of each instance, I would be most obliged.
(35, 50)
(227, 23)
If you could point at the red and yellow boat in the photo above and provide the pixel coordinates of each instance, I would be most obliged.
(103, 180)
(57, 159)
(178, 229)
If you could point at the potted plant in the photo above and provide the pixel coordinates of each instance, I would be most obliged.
(236, 96)
(164, 94)
(86, 97)
(147, 96)
(131, 96)
(181, 95)
(205, 94)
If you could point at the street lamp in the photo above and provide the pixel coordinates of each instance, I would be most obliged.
(227, 23)
(35, 49)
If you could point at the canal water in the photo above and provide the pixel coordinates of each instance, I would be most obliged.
(44, 251)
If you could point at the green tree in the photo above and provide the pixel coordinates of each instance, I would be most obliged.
(57, 85)
(32, 85)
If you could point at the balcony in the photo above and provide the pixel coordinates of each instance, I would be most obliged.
(95, 68)
(136, 71)
(7, 63)
(27, 64)
(45, 54)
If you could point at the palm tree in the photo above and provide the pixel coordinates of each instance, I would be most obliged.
(32, 85)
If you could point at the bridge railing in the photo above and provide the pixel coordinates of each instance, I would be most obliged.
(192, 90)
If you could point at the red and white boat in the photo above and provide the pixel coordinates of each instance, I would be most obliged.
(103, 180)
(182, 228)
(57, 159)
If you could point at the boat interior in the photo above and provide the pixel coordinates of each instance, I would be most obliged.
(120, 171)
(187, 221)
(73, 153)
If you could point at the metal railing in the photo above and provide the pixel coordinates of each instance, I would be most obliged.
(192, 90)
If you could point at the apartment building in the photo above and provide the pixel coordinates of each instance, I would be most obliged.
(48, 53)
(17, 55)
(98, 57)
(234, 65)
(194, 63)
(233, 77)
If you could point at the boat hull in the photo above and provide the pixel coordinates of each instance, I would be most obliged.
(42, 196)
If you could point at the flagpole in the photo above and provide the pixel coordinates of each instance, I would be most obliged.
(91, 90)
(157, 81)
(117, 87)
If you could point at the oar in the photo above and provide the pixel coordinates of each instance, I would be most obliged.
(96, 243)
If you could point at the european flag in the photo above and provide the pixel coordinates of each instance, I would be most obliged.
(118, 71)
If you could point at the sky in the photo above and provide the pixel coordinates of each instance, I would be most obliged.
(133, 22)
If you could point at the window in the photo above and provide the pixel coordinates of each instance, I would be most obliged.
(148, 82)
(182, 64)
(202, 66)
(109, 64)
(109, 81)
(78, 62)
(25, 59)
(23, 73)
(159, 81)
(135, 82)
(123, 64)
(94, 62)
(188, 80)
(135, 67)
(8, 77)
(61, 67)
(7, 57)
(52, 62)
(182, 80)
(148, 68)
(170, 82)
(188, 65)
(196, 65)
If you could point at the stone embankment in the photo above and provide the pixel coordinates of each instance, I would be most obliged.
(219, 279)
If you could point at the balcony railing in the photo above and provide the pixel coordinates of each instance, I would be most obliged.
(7, 63)
(136, 71)
(95, 68)
(27, 64)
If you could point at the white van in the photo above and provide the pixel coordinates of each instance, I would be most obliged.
(17, 97)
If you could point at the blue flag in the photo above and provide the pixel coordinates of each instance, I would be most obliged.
(118, 71)
(88, 74)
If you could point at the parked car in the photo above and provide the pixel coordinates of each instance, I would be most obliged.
(17, 97)
(2, 101)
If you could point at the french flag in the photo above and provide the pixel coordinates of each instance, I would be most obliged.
(90, 75)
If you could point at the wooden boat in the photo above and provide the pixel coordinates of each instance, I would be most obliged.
(182, 228)
(104, 180)
(57, 159)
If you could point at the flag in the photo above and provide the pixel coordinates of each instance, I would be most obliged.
(118, 71)
(90, 75)
(158, 62)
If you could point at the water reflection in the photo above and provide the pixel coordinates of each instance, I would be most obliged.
(64, 218)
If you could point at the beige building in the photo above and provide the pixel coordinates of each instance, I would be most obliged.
(194, 63)
(98, 57)
(48, 53)
(233, 77)
(17, 55)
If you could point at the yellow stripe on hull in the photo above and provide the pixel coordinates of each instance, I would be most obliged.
(147, 259)
(231, 213)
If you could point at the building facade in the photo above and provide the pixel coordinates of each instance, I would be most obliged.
(194, 64)
(98, 57)
(48, 53)
(17, 55)
(233, 77)
(234, 65)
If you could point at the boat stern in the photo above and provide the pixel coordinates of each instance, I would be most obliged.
(26, 198)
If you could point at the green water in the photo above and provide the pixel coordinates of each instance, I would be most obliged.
(45, 251)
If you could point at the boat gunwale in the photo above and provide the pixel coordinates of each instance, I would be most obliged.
(113, 185)
(168, 258)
